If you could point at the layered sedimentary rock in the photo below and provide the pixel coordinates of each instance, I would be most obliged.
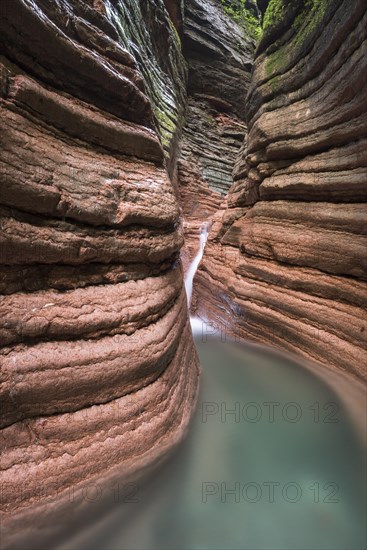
(99, 374)
(147, 31)
(211, 139)
(219, 54)
(287, 258)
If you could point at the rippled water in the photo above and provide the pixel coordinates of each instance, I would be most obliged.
(284, 470)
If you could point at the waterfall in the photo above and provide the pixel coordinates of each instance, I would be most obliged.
(189, 278)
(196, 323)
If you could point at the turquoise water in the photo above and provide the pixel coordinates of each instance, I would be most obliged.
(284, 471)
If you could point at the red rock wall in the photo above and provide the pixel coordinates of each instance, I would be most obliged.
(288, 256)
(99, 373)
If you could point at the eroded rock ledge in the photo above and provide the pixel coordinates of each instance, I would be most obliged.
(286, 259)
(99, 373)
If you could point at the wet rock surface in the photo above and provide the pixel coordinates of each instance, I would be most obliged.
(289, 269)
(146, 30)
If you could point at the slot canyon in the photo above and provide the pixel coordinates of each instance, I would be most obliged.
(151, 144)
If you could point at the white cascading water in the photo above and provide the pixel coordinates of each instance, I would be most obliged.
(196, 323)
(189, 278)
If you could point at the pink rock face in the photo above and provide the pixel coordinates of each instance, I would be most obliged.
(290, 268)
(99, 374)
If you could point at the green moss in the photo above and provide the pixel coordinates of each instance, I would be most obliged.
(309, 19)
(276, 61)
(164, 76)
(175, 33)
(167, 126)
(275, 12)
(304, 25)
(274, 82)
(236, 9)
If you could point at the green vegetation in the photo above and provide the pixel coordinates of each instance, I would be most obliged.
(313, 12)
(278, 9)
(305, 24)
(274, 64)
(166, 125)
(236, 9)
(174, 30)
(274, 13)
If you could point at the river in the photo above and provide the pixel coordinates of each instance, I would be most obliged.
(274, 460)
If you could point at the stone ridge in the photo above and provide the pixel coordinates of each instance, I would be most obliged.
(99, 374)
(288, 256)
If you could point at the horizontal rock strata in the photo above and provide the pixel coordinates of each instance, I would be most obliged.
(219, 55)
(287, 258)
(99, 374)
(211, 139)
(52, 455)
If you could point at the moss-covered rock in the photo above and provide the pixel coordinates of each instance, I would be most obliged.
(245, 14)
(147, 31)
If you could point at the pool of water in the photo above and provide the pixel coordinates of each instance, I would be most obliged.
(273, 460)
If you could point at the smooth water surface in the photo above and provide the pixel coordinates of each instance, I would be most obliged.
(284, 470)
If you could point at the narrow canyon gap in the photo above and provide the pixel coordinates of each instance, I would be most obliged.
(285, 262)
(128, 126)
